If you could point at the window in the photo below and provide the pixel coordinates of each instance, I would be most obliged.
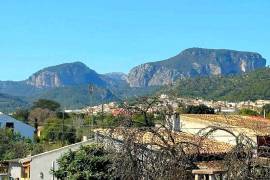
(10, 125)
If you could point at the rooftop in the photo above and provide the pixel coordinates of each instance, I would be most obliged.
(254, 124)
(197, 143)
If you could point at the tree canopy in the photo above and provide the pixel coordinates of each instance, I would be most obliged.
(248, 112)
(46, 104)
(201, 109)
(249, 86)
(89, 162)
(10, 143)
(55, 130)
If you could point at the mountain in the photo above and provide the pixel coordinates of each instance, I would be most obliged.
(66, 83)
(19, 88)
(195, 62)
(117, 76)
(73, 97)
(248, 86)
(69, 85)
(9, 103)
(69, 74)
(115, 79)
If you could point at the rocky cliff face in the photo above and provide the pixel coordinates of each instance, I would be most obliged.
(68, 74)
(195, 62)
(115, 79)
(45, 79)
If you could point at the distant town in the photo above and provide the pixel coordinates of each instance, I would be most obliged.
(219, 106)
(214, 126)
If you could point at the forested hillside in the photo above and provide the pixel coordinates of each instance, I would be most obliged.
(249, 86)
(9, 103)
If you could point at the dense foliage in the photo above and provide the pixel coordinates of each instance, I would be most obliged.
(12, 145)
(250, 86)
(89, 162)
(22, 115)
(201, 109)
(56, 130)
(77, 96)
(46, 104)
(104, 120)
(248, 112)
(9, 103)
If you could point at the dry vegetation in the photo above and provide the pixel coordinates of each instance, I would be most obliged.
(159, 153)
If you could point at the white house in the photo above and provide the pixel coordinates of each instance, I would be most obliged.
(40, 167)
(253, 127)
(25, 130)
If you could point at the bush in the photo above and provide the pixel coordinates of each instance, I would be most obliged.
(89, 162)
(105, 120)
(55, 131)
(22, 115)
(201, 109)
(248, 112)
(12, 145)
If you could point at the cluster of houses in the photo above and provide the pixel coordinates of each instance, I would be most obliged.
(225, 106)
(186, 126)
(219, 106)
(105, 108)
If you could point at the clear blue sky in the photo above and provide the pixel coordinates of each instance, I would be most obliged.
(115, 35)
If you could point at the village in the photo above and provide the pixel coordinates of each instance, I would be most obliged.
(219, 131)
(135, 90)
(219, 106)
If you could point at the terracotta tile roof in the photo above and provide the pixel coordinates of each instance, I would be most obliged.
(206, 146)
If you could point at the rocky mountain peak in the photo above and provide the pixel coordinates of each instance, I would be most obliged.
(194, 62)
(67, 74)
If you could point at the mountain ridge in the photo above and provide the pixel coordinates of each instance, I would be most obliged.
(69, 83)
(66, 74)
(194, 62)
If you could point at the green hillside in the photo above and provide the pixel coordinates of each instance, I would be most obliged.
(250, 86)
(9, 103)
(78, 96)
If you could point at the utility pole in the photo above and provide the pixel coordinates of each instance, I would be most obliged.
(63, 127)
(102, 107)
(91, 92)
(102, 111)
(36, 129)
